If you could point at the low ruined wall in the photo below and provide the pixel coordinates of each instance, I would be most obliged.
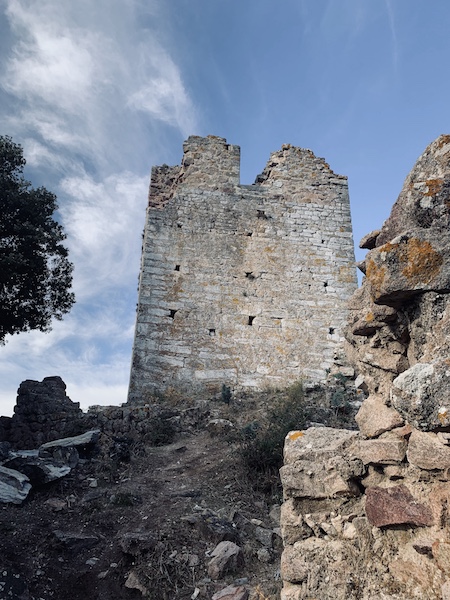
(365, 518)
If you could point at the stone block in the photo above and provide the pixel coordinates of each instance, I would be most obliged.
(374, 417)
(317, 466)
(395, 506)
(426, 451)
(389, 449)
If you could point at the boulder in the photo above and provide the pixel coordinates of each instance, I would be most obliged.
(14, 486)
(85, 439)
(38, 470)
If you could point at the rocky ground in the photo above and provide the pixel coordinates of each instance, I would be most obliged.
(174, 521)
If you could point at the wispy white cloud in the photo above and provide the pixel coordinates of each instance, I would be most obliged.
(391, 19)
(104, 222)
(90, 85)
(79, 79)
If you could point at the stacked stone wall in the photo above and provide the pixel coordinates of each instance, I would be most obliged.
(366, 514)
(241, 285)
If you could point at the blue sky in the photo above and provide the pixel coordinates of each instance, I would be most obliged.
(97, 91)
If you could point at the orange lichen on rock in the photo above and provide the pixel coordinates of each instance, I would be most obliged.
(434, 187)
(375, 275)
(370, 317)
(422, 261)
(294, 435)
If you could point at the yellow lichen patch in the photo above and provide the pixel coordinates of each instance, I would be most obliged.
(370, 317)
(268, 249)
(294, 435)
(434, 187)
(422, 261)
(375, 275)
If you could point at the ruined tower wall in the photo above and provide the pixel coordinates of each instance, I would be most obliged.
(242, 285)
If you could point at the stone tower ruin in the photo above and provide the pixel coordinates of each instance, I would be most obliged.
(241, 285)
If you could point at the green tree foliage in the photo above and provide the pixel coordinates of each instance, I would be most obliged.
(35, 273)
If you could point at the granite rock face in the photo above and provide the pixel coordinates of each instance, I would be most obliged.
(400, 317)
(241, 285)
(390, 538)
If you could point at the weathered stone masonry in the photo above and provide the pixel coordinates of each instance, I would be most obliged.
(243, 285)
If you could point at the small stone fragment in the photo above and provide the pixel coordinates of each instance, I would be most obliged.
(226, 557)
(132, 582)
(231, 592)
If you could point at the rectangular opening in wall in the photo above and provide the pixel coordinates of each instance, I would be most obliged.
(177, 268)
(250, 320)
(172, 313)
(212, 332)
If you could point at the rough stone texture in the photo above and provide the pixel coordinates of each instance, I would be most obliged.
(420, 394)
(226, 557)
(243, 285)
(394, 535)
(427, 451)
(374, 417)
(390, 449)
(395, 506)
(314, 466)
(400, 317)
(43, 412)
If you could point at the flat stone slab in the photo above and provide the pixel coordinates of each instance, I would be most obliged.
(14, 486)
(90, 437)
(390, 449)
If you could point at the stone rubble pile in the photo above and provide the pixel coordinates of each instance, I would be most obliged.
(366, 513)
(22, 469)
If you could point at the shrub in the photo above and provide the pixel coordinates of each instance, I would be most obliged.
(261, 447)
(161, 432)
